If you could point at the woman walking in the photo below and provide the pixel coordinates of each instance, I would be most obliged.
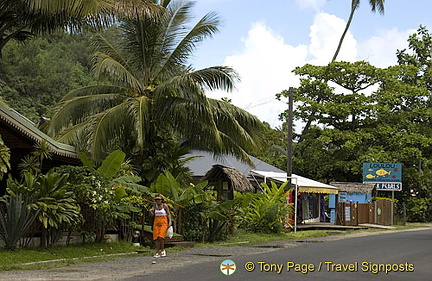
(162, 220)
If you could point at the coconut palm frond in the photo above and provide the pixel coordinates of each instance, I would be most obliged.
(216, 78)
(77, 109)
(137, 8)
(237, 123)
(108, 128)
(377, 5)
(118, 73)
(180, 51)
(92, 90)
(103, 46)
(77, 135)
(182, 86)
(141, 115)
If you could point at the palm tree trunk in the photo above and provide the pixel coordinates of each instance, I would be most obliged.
(353, 8)
(354, 5)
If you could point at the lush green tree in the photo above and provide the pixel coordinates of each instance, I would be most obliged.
(375, 5)
(37, 74)
(22, 19)
(419, 55)
(154, 94)
(274, 143)
(367, 115)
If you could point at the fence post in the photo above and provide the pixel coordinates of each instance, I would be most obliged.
(375, 212)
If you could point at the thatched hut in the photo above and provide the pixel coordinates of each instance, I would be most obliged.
(356, 191)
(225, 180)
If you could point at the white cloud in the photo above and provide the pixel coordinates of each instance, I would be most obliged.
(380, 50)
(265, 66)
(325, 35)
(266, 63)
(311, 4)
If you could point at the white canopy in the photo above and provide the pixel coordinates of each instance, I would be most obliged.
(304, 184)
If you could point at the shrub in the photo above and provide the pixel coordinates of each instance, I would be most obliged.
(417, 209)
(265, 212)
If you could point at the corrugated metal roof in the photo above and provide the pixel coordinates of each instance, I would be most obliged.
(201, 165)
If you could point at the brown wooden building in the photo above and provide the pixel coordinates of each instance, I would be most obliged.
(21, 135)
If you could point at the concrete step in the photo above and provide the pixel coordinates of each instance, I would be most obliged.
(186, 244)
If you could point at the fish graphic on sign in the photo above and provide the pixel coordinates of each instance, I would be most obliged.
(382, 173)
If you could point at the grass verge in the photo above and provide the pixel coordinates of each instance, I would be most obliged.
(43, 258)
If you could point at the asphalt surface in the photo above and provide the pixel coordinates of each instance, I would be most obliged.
(405, 255)
(392, 256)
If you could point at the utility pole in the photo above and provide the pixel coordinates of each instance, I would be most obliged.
(290, 133)
(289, 152)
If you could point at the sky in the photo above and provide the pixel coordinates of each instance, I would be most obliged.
(265, 40)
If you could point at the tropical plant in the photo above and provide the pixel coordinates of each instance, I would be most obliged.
(155, 96)
(203, 219)
(375, 5)
(48, 193)
(15, 221)
(109, 191)
(218, 216)
(169, 186)
(33, 162)
(265, 212)
(419, 209)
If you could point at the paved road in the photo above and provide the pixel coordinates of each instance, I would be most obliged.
(410, 251)
(405, 255)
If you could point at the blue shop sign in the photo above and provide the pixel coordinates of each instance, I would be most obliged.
(382, 172)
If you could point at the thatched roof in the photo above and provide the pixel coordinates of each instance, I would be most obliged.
(354, 187)
(238, 180)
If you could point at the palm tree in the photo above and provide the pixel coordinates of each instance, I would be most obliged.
(22, 19)
(154, 95)
(375, 5)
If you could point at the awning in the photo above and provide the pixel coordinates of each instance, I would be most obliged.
(304, 184)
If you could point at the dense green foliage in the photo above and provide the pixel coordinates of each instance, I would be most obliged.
(265, 212)
(38, 74)
(274, 143)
